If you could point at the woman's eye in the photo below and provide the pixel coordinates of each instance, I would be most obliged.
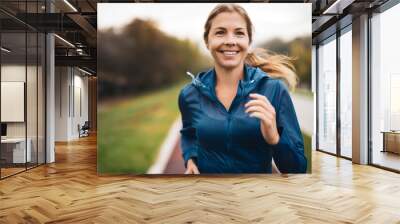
(219, 32)
(240, 33)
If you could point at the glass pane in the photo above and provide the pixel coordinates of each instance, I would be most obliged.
(80, 104)
(31, 84)
(327, 96)
(41, 98)
(346, 94)
(31, 100)
(13, 86)
(385, 89)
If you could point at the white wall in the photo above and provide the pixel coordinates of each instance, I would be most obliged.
(62, 81)
(71, 87)
(12, 73)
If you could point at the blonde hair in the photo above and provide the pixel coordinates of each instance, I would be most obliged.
(276, 65)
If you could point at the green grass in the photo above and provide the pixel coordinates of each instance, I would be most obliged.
(304, 92)
(307, 150)
(131, 131)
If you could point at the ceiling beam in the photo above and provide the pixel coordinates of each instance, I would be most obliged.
(85, 61)
(84, 24)
(338, 6)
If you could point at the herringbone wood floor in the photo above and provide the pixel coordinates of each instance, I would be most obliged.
(69, 191)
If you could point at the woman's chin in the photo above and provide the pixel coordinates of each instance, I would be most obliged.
(229, 65)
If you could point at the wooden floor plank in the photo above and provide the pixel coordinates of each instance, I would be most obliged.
(70, 191)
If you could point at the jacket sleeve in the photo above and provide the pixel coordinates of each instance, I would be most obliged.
(188, 132)
(288, 153)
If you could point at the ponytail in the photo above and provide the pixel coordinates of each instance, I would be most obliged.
(276, 65)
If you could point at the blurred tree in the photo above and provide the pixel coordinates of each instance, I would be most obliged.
(141, 57)
(299, 49)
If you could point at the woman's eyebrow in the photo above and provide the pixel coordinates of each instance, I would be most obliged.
(223, 28)
(220, 28)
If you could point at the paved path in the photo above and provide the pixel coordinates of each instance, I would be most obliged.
(175, 164)
(304, 107)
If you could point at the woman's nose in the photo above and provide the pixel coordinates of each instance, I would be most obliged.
(230, 40)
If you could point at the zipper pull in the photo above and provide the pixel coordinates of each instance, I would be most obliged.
(190, 74)
(194, 80)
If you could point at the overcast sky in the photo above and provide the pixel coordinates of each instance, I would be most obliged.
(186, 20)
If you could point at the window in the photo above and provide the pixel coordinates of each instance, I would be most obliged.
(385, 89)
(346, 93)
(327, 96)
(22, 76)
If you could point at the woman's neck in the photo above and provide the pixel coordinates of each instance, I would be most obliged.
(230, 77)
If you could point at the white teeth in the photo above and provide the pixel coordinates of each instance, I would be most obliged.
(230, 52)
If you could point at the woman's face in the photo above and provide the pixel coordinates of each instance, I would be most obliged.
(228, 40)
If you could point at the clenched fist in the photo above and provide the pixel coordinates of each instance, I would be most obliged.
(260, 107)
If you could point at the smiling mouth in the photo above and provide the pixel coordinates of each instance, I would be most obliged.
(229, 53)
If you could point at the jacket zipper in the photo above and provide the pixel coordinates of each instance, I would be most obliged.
(229, 113)
(222, 107)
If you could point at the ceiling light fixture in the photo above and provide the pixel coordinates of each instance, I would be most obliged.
(64, 40)
(5, 49)
(84, 71)
(70, 5)
(337, 7)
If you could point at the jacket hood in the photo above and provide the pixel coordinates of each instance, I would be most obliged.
(205, 81)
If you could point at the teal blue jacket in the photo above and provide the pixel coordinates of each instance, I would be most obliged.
(229, 141)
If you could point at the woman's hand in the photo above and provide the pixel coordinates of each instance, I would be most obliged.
(191, 167)
(261, 108)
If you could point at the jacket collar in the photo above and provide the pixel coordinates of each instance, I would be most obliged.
(205, 81)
